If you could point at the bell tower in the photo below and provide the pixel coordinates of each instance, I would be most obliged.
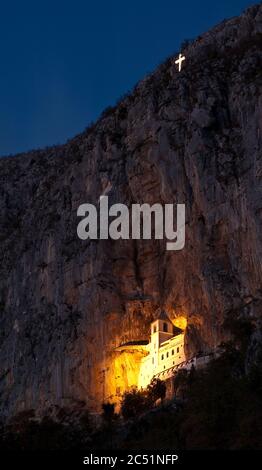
(161, 330)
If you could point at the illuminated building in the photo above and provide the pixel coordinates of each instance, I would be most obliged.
(162, 355)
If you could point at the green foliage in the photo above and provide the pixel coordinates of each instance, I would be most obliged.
(135, 402)
(221, 406)
(222, 409)
(25, 432)
(217, 407)
(107, 431)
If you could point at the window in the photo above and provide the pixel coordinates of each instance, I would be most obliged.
(173, 352)
(162, 357)
(165, 327)
(177, 350)
(167, 354)
(152, 360)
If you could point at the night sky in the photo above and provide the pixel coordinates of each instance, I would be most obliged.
(63, 62)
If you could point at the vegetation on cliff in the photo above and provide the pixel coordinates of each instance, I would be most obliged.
(218, 407)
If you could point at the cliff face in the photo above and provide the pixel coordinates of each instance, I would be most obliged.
(192, 137)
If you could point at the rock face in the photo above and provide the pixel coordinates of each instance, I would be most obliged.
(192, 137)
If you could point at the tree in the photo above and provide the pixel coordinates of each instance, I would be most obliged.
(108, 414)
(69, 429)
(134, 403)
(109, 419)
(156, 390)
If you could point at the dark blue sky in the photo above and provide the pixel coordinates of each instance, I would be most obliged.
(62, 62)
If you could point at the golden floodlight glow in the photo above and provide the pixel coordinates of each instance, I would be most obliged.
(138, 362)
(180, 322)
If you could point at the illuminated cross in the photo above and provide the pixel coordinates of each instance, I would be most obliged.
(179, 61)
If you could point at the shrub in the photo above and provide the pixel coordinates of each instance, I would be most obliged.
(108, 414)
(134, 403)
(156, 390)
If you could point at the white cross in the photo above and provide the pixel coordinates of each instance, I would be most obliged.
(179, 61)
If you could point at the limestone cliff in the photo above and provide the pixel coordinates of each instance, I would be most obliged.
(192, 137)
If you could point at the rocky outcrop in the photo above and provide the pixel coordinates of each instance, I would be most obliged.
(192, 137)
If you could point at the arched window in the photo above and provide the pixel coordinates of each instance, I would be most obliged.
(165, 327)
(177, 350)
(162, 357)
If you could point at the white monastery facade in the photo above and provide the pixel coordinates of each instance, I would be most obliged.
(165, 351)
(162, 355)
